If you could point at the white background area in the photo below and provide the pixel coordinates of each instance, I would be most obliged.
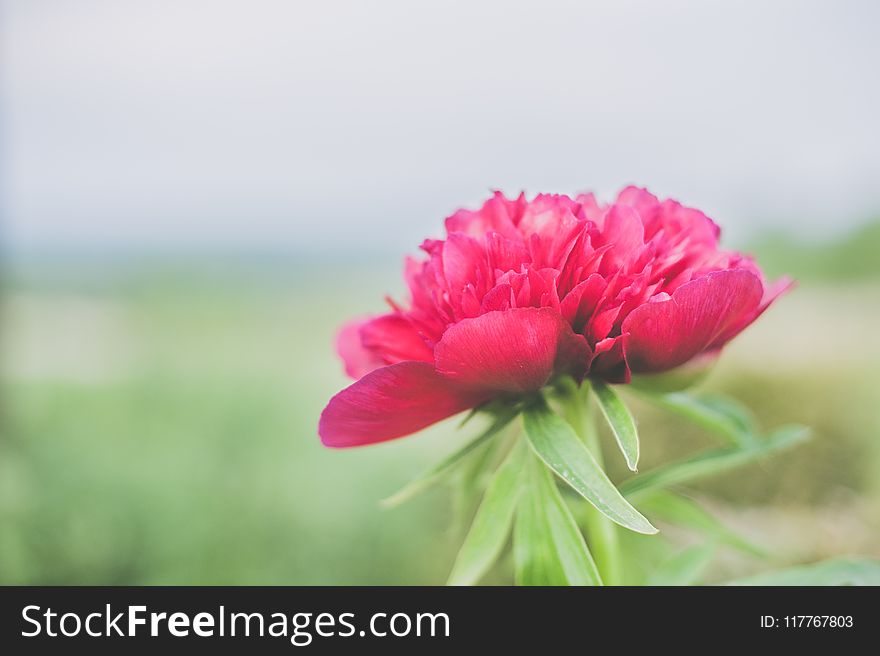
(339, 126)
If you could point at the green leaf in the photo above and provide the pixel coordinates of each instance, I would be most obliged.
(687, 513)
(717, 414)
(714, 461)
(837, 571)
(556, 443)
(621, 421)
(473, 412)
(533, 552)
(491, 525)
(549, 549)
(438, 471)
(731, 409)
(684, 568)
(469, 482)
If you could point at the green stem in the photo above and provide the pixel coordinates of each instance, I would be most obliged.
(601, 531)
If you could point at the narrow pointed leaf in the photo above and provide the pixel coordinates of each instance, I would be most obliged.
(549, 549)
(556, 443)
(502, 419)
(837, 571)
(685, 567)
(533, 553)
(714, 461)
(473, 412)
(731, 409)
(621, 422)
(469, 482)
(687, 513)
(717, 414)
(491, 525)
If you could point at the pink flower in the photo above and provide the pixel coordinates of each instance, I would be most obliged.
(522, 291)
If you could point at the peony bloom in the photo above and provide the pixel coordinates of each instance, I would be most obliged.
(522, 291)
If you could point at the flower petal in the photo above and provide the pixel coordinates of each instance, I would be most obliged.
(466, 270)
(578, 305)
(393, 338)
(623, 230)
(771, 293)
(498, 214)
(515, 350)
(666, 333)
(609, 360)
(357, 359)
(391, 402)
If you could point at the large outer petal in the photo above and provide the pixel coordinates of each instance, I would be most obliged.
(391, 402)
(771, 293)
(664, 334)
(513, 350)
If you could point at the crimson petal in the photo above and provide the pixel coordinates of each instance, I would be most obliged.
(664, 334)
(391, 402)
(771, 293)
(513, 350)
(358, 359)
(392, 337)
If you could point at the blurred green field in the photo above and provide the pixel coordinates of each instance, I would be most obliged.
(159, 425)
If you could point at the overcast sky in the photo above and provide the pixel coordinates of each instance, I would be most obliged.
(326, 124)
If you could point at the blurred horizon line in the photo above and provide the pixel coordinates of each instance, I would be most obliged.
(109, 249)
(778, 250)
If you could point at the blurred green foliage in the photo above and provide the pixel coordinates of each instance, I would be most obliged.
(159, 424)
(853, 257)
